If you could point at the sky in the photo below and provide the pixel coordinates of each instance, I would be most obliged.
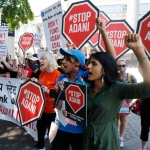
(38, 5)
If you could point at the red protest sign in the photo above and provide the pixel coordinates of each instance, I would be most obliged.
(30, 102)
(75, 97)
(76, 101)
(79, 22)
(93, 41)
(116, 30)
(143, 29)
(26, 41)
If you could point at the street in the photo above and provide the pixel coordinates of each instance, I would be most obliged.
(13, 137)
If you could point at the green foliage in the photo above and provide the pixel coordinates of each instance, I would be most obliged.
(16, 11)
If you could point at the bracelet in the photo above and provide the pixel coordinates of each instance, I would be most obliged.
(141, 59)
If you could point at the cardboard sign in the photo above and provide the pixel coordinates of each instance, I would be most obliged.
(143, 29)
(26, 41)
(79, 22)
(93, 41)
(76, 102)
(30, 102)
(3, 41)
(52, 23)
(37, 39)
(116, 30)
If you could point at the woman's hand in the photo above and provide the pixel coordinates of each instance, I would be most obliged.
(45, 89)
(65, 113)
(34, 79)
(134, 42)
(100, 23)
(58, 86)
(70, 46)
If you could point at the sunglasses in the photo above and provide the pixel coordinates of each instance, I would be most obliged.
(122, 66)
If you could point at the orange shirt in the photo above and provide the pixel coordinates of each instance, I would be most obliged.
(49, 79)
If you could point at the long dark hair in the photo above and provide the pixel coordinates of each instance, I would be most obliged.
(109, 65)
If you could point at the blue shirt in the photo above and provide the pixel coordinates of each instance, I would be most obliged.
(79, 79)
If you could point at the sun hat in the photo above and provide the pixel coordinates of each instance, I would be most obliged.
(74, 52)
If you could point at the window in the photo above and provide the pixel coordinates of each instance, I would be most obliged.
(144, 7)
(115, 9)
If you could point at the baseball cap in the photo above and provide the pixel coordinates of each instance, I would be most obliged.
(74, 52)
(33, 58)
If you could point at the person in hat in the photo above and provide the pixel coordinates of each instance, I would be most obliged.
(73, 62)
(35, 66)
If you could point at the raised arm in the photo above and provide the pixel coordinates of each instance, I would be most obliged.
(133, 41)
(14, 68)
(108, 44)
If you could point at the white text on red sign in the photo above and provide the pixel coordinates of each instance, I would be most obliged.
(74, 97)
(26, 40)
(117, 37)
(148, 33)
(30, 100)
(80, 22)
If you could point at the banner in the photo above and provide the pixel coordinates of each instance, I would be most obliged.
(9, 88)
(37, 39)
(52, 23)
(3, 41)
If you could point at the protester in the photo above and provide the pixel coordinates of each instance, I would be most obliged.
(124, 111)
(105, 95)
(27, 71)
(145, 119)
(47, 78)
(35, 66)
(73, 62)
(9, 69)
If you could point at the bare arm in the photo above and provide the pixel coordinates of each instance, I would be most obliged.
(14, 68)
(3, 75)
(108, 44)
(133, 41)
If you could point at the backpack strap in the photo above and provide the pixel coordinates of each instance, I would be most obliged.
(129, 77)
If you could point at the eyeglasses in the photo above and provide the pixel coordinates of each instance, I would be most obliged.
(122, 66)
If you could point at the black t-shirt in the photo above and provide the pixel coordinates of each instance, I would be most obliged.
(36, 75)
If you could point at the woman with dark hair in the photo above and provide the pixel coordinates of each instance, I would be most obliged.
(106, 93)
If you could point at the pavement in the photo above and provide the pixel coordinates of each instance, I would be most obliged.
(13, 137)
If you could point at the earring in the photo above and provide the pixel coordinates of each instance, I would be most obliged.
(76, 68)
(102, 79)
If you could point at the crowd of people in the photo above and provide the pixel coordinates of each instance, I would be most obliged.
(108, 90)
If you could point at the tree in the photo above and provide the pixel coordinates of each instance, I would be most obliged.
(16, 12)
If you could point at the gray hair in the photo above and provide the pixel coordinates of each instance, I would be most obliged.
(52, 64)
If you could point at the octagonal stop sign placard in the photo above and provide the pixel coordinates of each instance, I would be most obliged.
(30, 102)
(93, 41)
(143, 29)
(79, 22)
(26, 41)
(76, 102)
(116, 30)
